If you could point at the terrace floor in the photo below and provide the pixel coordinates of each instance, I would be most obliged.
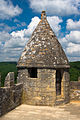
(69, 111)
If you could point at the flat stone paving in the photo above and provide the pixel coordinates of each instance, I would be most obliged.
(70, 111)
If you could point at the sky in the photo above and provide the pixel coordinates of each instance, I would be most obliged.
(19, 18)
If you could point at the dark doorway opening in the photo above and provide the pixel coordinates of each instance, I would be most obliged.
(58, 82)
(32, 72)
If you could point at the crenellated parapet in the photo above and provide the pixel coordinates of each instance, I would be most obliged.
(10, 94)
(9, 80)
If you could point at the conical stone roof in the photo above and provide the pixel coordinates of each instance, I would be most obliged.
(43, 49)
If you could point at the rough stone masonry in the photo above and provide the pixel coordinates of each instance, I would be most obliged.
(10, 94)
(43, 73)
(43, 68)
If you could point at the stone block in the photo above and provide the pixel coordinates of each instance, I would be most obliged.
(75, 94)
(10, 98)
(79, 78)
(0, 79)
(40, 90)
(9, 80)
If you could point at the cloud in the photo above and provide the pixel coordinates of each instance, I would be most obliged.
(56, 7)
(74, 58)
(14, 42)
(23, 24)
(64, 42)
(27, 32)
(73, 49)
(73, 36)
(54, 22)
(4, 36)
(16, 20)
(8, 10)
(12, 47)
(6, 28)
(18, 23)
(73, 25)
(34, 22)
(71, 45)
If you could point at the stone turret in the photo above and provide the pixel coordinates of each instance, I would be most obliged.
(43, 68)
(43, 48)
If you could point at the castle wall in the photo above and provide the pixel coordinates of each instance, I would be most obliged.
(66, 86)
(75, 90)
(0, 79)
(10, 96)
(40, 90)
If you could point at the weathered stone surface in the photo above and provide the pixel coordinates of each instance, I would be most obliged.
(9, 80)
(10, 98)
(28, 112)
(74, 85)
(41, 90)
(44, 53)
(65, 88)
(67, 85)
(0, 79)
(75, 95)
(75, 90)
(43, 48)
(79, 78)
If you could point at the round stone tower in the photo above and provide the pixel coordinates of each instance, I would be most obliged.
(43, 68)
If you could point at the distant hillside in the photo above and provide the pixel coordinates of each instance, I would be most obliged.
(6, 67)
(74, 70)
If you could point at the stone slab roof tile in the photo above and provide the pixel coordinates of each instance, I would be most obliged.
(43, 49)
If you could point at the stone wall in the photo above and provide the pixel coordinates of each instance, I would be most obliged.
(9, 80)
(65, 88)
(66, 85)
(75, 90)
(0, 79)
(40, 90)
(10, 95)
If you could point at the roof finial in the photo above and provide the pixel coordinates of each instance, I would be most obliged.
(43, 15)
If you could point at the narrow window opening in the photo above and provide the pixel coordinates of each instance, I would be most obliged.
(32, 72)
(58, 82)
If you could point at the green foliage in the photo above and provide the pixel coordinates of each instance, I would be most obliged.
(6, 67)
(74, 70)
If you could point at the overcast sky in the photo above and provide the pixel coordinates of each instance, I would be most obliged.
(18, 19)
